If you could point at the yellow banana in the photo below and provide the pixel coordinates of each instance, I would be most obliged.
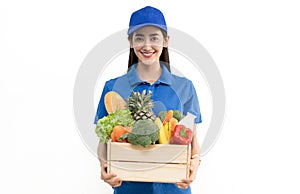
(168, 131)
(162, 136)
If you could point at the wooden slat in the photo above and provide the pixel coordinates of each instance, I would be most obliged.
(162, 153)
(149, 172)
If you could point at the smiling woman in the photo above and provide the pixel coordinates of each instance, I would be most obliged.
(158, 39)
(149, 70)
(147, 43)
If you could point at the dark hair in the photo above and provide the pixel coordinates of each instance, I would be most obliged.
(164, 57)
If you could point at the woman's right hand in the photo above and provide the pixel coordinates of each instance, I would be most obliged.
(110, 178)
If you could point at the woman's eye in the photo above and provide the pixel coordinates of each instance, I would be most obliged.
(154, 38)
(138, 39)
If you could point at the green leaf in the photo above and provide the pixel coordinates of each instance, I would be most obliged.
(106, 124)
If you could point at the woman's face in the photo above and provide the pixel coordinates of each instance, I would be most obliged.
(147, 43)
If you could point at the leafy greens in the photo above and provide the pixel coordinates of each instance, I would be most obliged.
(106, 124)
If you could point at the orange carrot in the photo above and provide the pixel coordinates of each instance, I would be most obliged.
(173, 122)
(168, 116)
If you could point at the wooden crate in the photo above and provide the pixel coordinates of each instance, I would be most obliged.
(157, 163)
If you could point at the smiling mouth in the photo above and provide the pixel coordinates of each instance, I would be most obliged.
(147, 54)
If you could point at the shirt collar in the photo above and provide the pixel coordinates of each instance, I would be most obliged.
(165, 77)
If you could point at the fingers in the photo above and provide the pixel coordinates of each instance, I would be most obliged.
(181, 186)
(110, 178)
(114, 182)
(185, 183)
(107, 176)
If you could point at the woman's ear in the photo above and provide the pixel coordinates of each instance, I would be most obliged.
(130, 42)
(166, 41)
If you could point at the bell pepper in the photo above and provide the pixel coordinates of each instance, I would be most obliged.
(182, 135)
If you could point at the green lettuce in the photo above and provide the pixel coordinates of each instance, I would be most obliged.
(106, 124)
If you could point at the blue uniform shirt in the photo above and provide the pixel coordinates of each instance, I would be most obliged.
(169, 92)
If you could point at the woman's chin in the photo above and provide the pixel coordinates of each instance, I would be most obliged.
(149, 62)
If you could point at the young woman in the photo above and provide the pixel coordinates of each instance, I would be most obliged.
(149, 69)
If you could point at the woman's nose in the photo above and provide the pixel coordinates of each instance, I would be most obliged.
(147, 44)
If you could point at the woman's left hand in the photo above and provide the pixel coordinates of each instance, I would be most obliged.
(185, 183)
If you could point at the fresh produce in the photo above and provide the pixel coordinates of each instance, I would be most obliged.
(118, 132)
(182, 135)
(106, 124)
(113, 101)
(135, 122)
(144, 133)
(166, 130)
(162, 115)
(169, 123)
(162, 137)
(158, 122)
(140, 106)
(178, 115)
(168, 116)
(173, 122)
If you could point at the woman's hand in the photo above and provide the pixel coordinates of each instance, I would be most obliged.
(110, 178)
(194, 163)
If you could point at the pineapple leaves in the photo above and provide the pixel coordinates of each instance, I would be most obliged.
(140, 105)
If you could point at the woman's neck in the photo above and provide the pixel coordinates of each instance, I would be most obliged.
(149, 73)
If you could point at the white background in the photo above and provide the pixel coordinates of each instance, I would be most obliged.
(255, 45)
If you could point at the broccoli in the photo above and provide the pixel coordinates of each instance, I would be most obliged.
(177, 115)
(144, 133)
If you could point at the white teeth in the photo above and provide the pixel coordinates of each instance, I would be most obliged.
(147, 54)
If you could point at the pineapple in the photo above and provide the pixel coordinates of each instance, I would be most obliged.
(140, 106)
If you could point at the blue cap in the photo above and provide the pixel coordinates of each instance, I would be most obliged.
(147, 16)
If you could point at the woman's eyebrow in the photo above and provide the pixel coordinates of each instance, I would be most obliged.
(154, 34)
(139, 35)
